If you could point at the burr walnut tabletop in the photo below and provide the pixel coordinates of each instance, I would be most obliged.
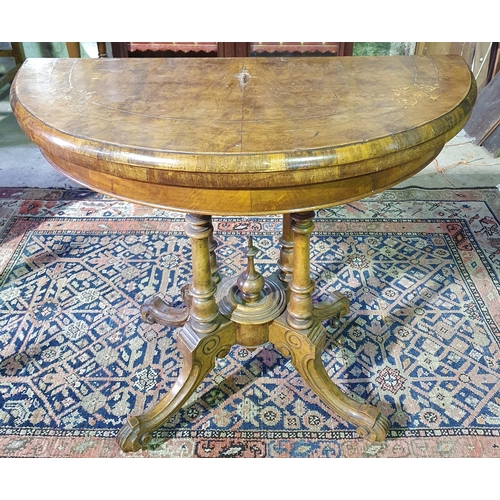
(244, 136)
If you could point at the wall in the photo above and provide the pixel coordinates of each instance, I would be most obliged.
(57, 49)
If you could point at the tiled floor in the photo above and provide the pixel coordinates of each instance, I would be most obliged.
(460, 164)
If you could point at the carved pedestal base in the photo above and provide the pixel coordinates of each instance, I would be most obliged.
(305, 348)
(250, 311)
(199, 353)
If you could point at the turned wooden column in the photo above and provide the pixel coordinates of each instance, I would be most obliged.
(300, 307)
(285, 263)
(212, 245)
(204, 310)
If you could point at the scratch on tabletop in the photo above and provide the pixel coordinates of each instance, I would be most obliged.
(70, 75)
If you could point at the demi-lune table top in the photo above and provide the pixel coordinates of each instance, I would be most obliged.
(231, 136)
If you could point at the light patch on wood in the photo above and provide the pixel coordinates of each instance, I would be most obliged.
(243, 77)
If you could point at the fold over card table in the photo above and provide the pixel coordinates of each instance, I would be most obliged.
(244, 136)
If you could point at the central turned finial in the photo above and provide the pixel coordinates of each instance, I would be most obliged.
(250, 283)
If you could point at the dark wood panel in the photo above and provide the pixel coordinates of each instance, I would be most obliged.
(485, 116)
(492, 143)
(17, 53)
(233, 49)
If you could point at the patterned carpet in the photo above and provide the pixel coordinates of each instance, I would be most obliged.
(421, 342)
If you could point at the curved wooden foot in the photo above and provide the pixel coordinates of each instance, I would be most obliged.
(305, 347)
(156, 310)
(333, 308)
(199, 353)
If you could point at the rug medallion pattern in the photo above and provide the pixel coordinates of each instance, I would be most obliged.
(421, 342)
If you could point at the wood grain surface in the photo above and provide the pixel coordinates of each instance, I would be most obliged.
(242, 135)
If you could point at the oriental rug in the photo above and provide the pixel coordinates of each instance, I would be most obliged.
(421, 341)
